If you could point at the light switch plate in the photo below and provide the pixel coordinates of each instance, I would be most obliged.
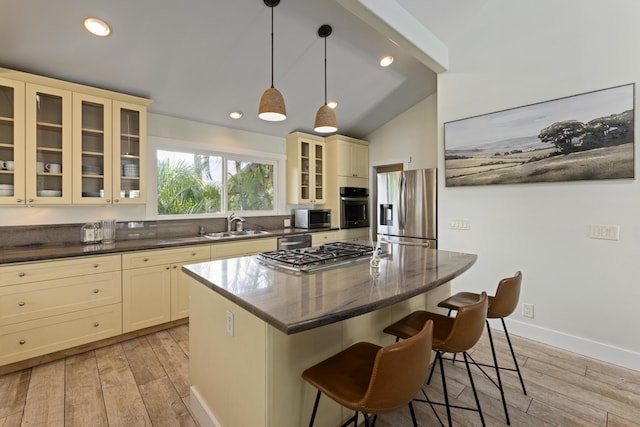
(604, 232)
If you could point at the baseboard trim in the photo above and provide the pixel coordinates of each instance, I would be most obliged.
(596, 350)
(201, 411)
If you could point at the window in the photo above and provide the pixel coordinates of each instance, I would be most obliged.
(191, 183)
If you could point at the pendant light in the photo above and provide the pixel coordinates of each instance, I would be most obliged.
(272, 107)
(325, 117)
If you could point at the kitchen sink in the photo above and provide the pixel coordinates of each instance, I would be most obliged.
(227, 234)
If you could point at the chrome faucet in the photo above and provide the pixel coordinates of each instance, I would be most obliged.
(232, 218)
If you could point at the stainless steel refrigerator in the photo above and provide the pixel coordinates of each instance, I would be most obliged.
(407, 207)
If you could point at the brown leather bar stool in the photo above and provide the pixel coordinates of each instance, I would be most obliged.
(450, 335)
(371, 379)
(500, 306)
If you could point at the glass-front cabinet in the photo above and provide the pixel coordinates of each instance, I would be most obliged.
(306, 173)
(62, 143)
(48, 145)
(129, 148)
(92, 154)
(12, 186)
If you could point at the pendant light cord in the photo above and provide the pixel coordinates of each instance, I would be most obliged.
(272, 46)
(325, 71)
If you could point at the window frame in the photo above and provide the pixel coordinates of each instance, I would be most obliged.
(165, 144)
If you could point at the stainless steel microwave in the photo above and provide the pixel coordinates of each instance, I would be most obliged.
(312, 218)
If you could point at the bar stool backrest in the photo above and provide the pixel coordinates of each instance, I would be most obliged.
(467, 327)
(506, 299)
(398, 373)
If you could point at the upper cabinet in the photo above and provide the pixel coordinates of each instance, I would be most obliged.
(306, 169)
(48, 145)
(12, 186)
(63, 143)
(352, 156)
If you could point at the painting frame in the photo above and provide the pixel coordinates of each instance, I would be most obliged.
(582, 137)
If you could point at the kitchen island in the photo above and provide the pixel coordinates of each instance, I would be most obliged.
(255, 328)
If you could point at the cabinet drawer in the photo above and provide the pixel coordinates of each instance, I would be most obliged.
(29, 301)
(325, 237)
(48, 270)
(247, 247)
(37, 337)
(165, 256)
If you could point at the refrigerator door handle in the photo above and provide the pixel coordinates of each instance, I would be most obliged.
(402, 203)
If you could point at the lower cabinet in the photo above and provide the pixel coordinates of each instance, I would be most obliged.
(152, 288)
(53, 305)
(146, 297)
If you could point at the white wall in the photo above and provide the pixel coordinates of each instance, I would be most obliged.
(409, 135)
(585, 292)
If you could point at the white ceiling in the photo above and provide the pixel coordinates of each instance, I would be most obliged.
(201, 59)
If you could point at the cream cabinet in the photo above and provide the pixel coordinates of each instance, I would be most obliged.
(70, 144)
(153, 292)
(306, 169)
(109, 151)
(351, 156)
(12, 128)
(54, 305)
(48, 145)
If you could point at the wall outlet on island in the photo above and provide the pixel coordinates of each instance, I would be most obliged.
(230, 323)
(527, 310)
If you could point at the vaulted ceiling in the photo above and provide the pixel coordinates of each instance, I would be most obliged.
(201, 59)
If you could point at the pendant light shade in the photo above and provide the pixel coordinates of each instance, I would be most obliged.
(326, 121)
(272, 106)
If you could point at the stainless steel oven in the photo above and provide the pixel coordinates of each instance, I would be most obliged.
(354, 207)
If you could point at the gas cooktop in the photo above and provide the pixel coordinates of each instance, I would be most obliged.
(324, 256)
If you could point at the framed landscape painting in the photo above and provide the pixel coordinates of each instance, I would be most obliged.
(582, 137)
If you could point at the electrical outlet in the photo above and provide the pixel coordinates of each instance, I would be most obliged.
(287, 223)
(230, 323)
(527, 310)
(605, 232)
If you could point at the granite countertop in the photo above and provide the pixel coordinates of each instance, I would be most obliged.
(51, 252)
(293, 302)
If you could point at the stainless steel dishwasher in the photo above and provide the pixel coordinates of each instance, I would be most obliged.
(297, 241)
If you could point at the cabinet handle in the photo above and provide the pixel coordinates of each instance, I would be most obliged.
(18, 200)
(193, 254)
(96, 324)
(115, 200)
(145, 259)
(108, 200)
(167, 267)
(96, 265)
(22, 342)
(29, 200)
(21, 303)
(175, 266)
(95, 291)
(22, 274)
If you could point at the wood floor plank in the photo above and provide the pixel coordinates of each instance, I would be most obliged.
(616, 421)
(181, 335)
(165, 406)
(45, 398)
(12, 420)
(122, 400)
(174, 361)
(84, 403)
(143, 360)
(13, 392)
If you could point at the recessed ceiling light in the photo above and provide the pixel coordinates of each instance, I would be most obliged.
(332, 104)
(386, 61)
(97, 26)
(235, 114)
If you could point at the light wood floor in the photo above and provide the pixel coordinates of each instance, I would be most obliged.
(144, 382)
